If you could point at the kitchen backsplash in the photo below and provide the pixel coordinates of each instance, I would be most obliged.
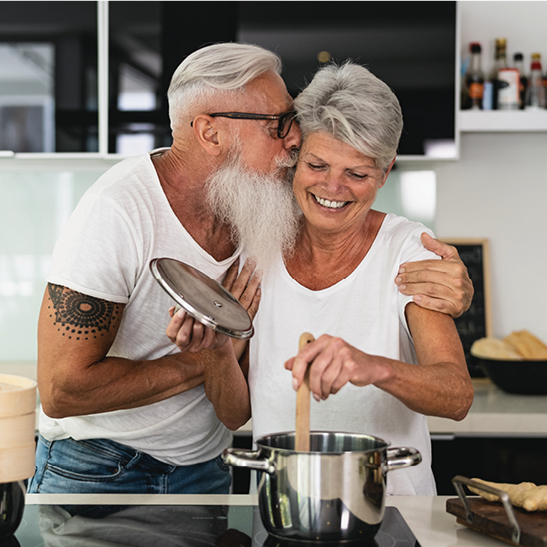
(35, 205)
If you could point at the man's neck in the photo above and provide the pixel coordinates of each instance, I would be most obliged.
(184, 187)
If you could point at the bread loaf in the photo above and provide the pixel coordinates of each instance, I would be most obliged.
(527, 344)
(493, 348)
(526, 495)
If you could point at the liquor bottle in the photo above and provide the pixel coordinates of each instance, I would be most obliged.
(490, 100)
(535, 92)
(518, 60)
(473, 80)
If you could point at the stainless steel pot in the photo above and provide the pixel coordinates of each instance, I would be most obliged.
(334, 492)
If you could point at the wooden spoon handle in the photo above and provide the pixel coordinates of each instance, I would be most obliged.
(302, 432)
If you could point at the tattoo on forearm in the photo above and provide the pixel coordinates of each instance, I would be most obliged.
(81, 316)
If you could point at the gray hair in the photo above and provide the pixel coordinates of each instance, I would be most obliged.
(355, 107)
(219, 68)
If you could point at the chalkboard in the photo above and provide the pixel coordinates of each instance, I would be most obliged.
(475, 323)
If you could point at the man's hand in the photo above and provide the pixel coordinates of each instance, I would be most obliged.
(438, 285)
(191, 336)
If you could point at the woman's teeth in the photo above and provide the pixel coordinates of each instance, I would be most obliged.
(330, 204)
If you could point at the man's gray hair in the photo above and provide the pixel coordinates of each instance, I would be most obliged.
(355, 107)
(220, 68)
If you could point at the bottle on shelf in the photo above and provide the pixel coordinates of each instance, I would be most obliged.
(473, 80)
(535, 92)
(490, 96)
(518, 60)
(508, 88)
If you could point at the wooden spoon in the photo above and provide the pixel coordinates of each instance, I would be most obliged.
(302, 432)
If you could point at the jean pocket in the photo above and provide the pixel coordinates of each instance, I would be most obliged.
(87, 460)
(221, 464)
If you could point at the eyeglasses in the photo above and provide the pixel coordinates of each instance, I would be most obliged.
(284, 120)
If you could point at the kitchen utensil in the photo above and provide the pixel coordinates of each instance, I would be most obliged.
(526, 377)
(497, 519)
(202, 297)
(334, 492)
(12, 508)
(302, 431)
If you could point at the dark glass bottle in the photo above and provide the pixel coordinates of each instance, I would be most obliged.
(518, 60)
(473, 80)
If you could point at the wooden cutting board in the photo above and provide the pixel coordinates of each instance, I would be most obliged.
(491, 519)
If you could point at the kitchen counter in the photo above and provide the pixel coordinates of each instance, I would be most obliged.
(426, 516)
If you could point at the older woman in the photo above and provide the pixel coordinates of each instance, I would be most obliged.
(389, 361)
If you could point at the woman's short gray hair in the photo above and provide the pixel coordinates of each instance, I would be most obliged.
(355, 107)
(219, 68)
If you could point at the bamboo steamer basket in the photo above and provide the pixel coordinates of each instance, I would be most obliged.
(17, 463)
(17, 395)
(17, 427)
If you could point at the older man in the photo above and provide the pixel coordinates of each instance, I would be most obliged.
(123, 409)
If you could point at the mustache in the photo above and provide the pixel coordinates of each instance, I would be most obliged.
(288, 162)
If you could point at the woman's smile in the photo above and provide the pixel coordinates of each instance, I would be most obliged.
(330, 204)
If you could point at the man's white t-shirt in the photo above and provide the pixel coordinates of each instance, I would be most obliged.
(121, 223)
(367, 311)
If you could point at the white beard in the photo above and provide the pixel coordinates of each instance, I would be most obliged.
(261, 209)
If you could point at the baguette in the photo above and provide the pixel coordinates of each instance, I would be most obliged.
(525, 495)
(493, 348)
(527, 344)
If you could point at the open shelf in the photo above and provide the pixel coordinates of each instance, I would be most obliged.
(503, 121)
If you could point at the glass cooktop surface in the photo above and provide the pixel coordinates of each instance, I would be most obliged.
(167, 526)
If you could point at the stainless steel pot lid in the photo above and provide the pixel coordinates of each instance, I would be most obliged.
(202, 297)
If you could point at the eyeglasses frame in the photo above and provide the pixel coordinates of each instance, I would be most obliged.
(252, 116)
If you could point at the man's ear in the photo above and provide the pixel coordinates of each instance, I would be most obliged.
(206, 131)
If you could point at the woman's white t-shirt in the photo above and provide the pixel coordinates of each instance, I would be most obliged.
(367, 311)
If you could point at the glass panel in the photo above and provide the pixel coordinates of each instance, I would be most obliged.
(411, 194)
(138, 119)
(48, 76)
(35, 207)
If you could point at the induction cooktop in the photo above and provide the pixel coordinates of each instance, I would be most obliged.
(169, 526)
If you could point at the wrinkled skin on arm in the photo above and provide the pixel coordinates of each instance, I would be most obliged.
(439, 386)
(225, 379)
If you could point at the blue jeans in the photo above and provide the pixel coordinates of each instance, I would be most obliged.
(103, 466)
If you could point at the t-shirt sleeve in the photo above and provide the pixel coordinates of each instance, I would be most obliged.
(96, 254)
(412, 251)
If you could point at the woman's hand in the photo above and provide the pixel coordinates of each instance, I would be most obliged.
(245, 286)
(333, 363)
(438, 285)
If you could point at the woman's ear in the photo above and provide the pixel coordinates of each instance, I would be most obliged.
(387, 171)
(206, 131)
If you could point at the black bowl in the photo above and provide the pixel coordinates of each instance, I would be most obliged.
(521, 377)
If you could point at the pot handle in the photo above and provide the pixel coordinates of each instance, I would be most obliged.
(249, 459)
(402, 457)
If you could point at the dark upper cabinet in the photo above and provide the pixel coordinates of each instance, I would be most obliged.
(53, 64)
(48, 77)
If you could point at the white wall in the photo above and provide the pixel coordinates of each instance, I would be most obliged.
(498, 188)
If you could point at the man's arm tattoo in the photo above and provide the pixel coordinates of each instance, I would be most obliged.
(79, 315)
